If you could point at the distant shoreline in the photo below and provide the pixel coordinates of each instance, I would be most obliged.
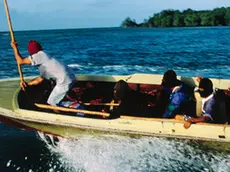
(50, 30)
(186, 18)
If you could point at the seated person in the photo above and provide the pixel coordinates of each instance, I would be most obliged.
(179, 95)
(131, 102)
(210, 105)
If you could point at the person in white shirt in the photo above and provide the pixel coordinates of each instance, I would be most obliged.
(210, 112)
(49, 68)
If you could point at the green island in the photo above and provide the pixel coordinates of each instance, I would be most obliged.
(186, 18)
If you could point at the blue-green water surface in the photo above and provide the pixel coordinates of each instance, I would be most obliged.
(203, 51)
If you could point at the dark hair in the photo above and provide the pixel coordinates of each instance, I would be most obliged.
(207, 85)
(120, 89)
(169, 79)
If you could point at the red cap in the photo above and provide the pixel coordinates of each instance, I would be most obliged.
(34, 47)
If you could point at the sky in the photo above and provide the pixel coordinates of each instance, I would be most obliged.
(61, 14)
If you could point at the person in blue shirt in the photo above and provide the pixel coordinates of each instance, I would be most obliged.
(178, 94)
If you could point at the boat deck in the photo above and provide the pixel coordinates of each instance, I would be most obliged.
(7, 91)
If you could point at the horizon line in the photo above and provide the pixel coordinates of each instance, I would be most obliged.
(25, 30)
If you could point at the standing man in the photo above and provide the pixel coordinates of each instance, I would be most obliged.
(49, 68)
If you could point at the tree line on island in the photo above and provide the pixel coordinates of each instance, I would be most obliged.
(189, 17)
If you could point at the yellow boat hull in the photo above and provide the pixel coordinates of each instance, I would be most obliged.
(71, 126)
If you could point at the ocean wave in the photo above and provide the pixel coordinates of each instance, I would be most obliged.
(118, 153)
(4, 34)
(75, 66)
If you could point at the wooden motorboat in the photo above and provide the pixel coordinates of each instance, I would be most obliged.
(18, 108)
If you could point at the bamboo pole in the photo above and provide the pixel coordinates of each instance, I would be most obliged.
(9, 21)
(12, 35)
(101, 104)
(64, 109)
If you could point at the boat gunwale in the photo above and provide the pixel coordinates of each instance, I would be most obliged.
(17, 117)
(217, 82)
(125, 118)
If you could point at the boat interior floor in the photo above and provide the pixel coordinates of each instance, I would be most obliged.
(96, 94)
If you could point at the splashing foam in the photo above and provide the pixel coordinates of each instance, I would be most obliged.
(118, 153)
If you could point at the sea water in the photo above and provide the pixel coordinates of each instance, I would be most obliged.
(201, 51)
